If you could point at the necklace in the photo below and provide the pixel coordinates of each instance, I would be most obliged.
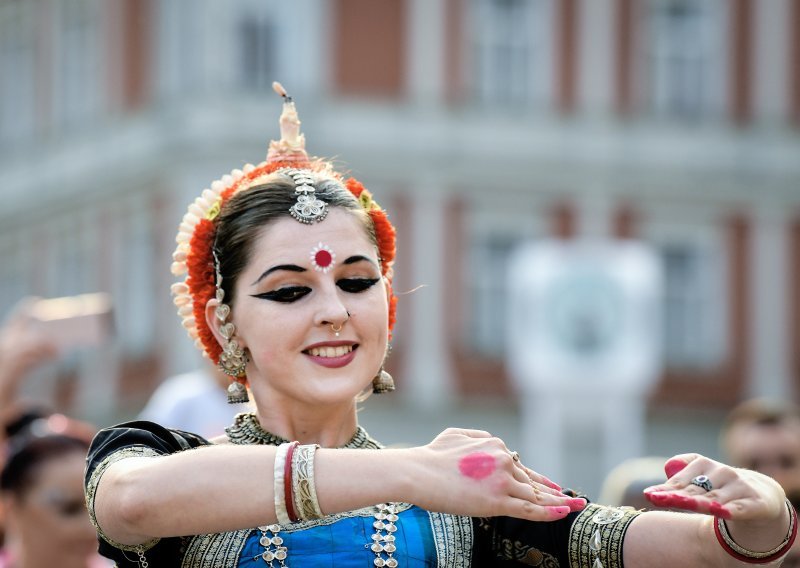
(247, 430)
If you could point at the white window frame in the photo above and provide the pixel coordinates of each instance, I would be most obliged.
(703, 47)
(530, 80)
(486, 275)
(17, 66)
(705, 298)
(81, 91)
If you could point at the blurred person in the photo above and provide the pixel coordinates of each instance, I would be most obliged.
(625, 484)
(41, 486)
(194, 402)
(24, 347)
(287, 285)
(764, 435)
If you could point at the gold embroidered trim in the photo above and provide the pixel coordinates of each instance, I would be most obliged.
(94, 480)
(453, 537)
(612, 523)
(215, 550)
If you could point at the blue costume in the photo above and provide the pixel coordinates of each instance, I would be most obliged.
(423, 539)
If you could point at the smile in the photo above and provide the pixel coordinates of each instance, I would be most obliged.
(332, 355)
(330, 351)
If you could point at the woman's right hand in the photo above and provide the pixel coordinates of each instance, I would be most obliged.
(472, 473)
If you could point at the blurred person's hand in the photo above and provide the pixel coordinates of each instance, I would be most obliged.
(24, 346)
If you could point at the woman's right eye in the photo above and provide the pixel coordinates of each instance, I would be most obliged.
(285, 295)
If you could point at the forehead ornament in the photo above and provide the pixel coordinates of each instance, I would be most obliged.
(308, 209)
(322, 258)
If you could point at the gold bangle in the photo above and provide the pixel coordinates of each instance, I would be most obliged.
(751, 556)
(304, 488)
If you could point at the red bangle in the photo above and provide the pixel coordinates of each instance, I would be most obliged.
(748, 556)
(287, 483)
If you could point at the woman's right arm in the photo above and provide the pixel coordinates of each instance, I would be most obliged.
(227, 487)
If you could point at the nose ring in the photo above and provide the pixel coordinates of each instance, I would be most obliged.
(336, 330)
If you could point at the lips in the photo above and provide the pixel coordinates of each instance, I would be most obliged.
(332, 355)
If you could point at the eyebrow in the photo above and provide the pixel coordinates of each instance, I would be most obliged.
(358, 258)
(287, 267)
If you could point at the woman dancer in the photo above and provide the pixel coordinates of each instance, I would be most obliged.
(288, 271)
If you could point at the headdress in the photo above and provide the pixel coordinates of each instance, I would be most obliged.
(194, 255)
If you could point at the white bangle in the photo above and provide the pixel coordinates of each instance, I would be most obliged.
(280, 496)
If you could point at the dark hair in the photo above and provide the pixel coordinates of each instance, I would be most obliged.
(27, 453)
(244, 216)
(763, 412)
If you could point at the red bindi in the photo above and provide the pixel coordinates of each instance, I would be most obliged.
(477, 465)
(323, 258)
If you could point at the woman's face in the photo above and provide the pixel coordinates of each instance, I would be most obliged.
(289, 297)
(50, 518)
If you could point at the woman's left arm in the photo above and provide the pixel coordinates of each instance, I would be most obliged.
(742, 515)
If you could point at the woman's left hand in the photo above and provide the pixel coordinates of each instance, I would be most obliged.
(750, 507)
(697, 483)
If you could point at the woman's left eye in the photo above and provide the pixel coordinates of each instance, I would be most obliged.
(356, 285)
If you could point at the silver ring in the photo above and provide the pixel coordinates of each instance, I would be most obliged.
(515, 456)
(703, 482)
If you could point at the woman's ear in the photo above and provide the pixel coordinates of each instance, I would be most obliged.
(213, 322)
(216, 325)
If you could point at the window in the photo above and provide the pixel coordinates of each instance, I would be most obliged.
(684, 57)
(257, 43)
(511, 50)
(489, 293)
(78, 62)
(17, 55)
(693, 307)
(134, 275)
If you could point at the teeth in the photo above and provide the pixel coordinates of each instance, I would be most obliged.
(330, 351)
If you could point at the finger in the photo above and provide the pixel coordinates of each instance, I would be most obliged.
(524, 509)
(539, 495)
(533, 478)
(700, 494)
(674, 465)
(468, 432)
(681, 469)
(544, 480)
(696, 504)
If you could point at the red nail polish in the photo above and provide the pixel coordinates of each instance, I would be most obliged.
(576, 504)
(673, 466)
(551, 484)
(656, 497)
(557, 512)
(688, 503)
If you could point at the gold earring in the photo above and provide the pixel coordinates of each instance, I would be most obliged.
(233, 359)
(383, 382)
(233, 362)
(237, 393)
